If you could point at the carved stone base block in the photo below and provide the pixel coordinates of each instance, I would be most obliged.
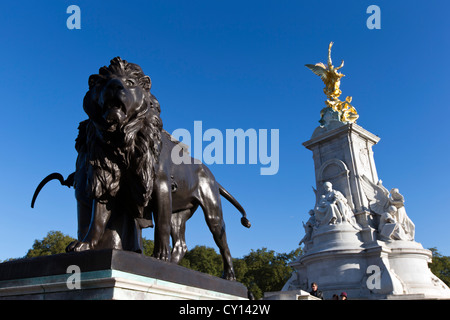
(110, 275)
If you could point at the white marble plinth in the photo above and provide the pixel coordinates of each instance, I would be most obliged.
(334, 237)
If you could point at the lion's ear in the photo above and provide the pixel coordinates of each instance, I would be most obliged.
(145, 82)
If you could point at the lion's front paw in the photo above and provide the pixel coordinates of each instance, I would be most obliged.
(162, 253)
(78, 246)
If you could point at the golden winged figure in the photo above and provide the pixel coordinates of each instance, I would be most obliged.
(331, 77)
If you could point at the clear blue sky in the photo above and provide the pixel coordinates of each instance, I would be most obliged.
(230, 64)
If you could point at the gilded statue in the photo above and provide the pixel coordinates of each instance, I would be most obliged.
(332, 80)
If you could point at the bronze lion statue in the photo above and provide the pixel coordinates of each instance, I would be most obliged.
(125, 178)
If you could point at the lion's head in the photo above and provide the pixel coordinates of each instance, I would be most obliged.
(117, 95)
(122, 138)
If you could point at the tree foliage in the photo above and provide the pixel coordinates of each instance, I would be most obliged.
(148, 246)
(440, 266)
(55, 242)
(203, 259)
(266, 270)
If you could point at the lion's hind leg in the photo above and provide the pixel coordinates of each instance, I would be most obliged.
(177, 232)
(212, 208)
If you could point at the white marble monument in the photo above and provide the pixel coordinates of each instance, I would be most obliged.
(358, 238)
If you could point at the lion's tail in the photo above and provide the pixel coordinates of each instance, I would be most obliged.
(229, 197)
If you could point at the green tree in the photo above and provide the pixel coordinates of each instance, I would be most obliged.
(203, 259)
(267, 270)
(440, 266)
(240, 269)
(148, 247)
(55, 242)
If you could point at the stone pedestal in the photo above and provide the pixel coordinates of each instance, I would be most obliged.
(342, 153)
(341, 257)
(110, 275)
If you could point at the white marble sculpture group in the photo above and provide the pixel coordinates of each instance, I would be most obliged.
(392, 222)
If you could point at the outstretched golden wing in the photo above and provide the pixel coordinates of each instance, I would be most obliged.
(319, 69)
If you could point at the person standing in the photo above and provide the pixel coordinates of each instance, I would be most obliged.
(315, 292)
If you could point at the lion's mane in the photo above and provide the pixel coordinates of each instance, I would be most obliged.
(123, 162)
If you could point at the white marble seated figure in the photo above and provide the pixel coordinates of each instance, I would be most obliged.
(333, 208)
(390, 207)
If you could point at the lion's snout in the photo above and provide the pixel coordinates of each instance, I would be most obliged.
(114, 115)
(114, 110)
(112, 101)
